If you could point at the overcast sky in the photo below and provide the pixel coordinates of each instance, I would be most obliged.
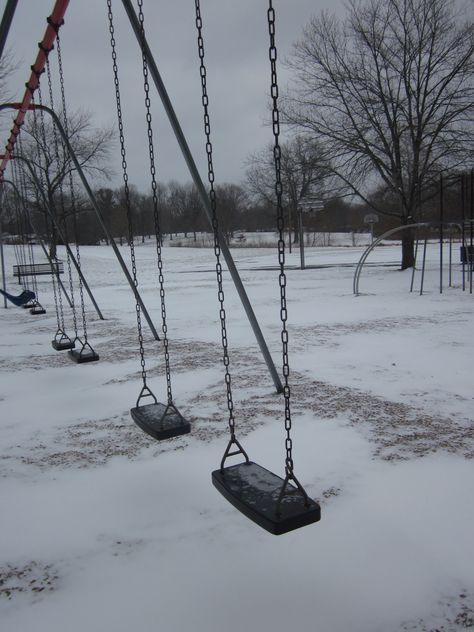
(236, 40)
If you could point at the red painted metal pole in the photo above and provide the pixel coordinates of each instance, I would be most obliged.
(55, 21)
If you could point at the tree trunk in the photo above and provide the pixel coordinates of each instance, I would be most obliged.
(408, 249)
(53, 243)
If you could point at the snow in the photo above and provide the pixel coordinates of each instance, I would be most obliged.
(105, 529)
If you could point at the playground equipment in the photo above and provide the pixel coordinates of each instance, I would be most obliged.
(442, 230)
(278, 504)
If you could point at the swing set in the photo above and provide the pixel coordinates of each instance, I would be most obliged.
(278, 504)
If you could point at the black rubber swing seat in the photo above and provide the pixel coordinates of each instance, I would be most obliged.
(255, 491)
(83, 355)
(62, 344)
(37, 309)
(160, 421)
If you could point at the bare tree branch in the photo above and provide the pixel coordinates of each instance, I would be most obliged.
(389, 90)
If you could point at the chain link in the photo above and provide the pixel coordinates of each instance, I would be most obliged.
(61, 193)
(71, 189)
(19, 248)
(20, 222)
(68, 257)
(128, 205)
(27, 221)
(58, 302)
(16, 211)
(154, 189)
(281, 242)
(215, 225)
(21, 218)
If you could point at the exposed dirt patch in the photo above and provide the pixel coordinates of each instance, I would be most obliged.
(451, 614)
(397, 431)
(89, 444)
(33, 578)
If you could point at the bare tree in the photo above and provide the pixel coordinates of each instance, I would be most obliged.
(42, 146)
(185, 207)
(231, 202)
(304, 173)
(389, 90)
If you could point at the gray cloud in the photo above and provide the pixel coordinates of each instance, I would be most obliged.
(236, 39)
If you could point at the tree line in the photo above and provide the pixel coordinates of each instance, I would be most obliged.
(181, 214)
(379, 107)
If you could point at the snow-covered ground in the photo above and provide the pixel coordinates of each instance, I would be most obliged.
(103, 529)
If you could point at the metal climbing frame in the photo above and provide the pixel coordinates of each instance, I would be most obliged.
(374, 244)
(393, 231)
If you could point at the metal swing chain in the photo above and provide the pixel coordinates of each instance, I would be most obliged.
(57, 299)
(215, 225)
(22, 223)
(61, 193)
(18, 250)
(281, 241)
(26, 213)
(68, 258)
(126, 188)
(19, 219)
(151, 152)
(16, 206)
(21, 257)
(71, 186)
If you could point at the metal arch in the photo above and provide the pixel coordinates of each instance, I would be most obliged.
(365, 254)
(362, 260)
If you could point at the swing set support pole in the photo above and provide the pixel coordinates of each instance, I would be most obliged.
(8, 14)
(56, 19)
(201, 190)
